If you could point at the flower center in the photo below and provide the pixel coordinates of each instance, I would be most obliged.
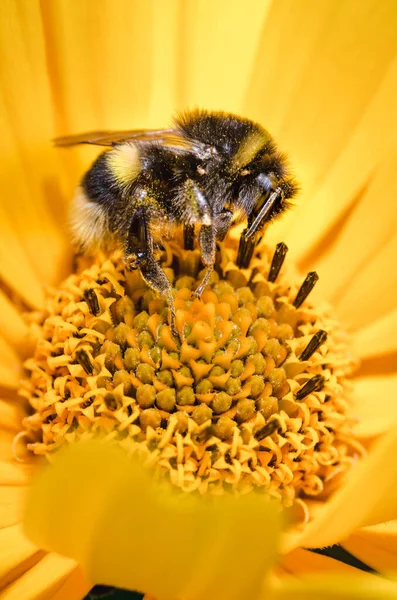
(252, 395)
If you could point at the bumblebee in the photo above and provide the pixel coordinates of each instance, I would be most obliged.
(209, 171)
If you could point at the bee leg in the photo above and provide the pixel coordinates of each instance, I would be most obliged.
(139, 255)
(223, 222)
(156, 279)
(207, 241)
(251, 236)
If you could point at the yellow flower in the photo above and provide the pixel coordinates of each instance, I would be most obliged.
(322, 77)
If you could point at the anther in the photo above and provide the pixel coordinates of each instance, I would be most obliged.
(315, 384)
(246, 249)
(87, 403)
(91, 298)
(267, 430)
(85, 361)
(316, 341)
(306, 288)
(50, 418)
(277, 261)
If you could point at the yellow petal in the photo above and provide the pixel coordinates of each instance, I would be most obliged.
(373, 291)
(14, 474)
(376, 546)
(121, 51)
(165, 72)
(10, 365)
(45, 579)
(378, 337)
(74, 587)
(31, 220)
(302, 563)
(11, 505)
(369, 496)
(349, 255)
(364, 149)
(15, 267)
(6, 440)
(373, 404)
(218, 79)
(12, 326)
(17, 554)
(118, 525)
(30, 177)
(10, 416)
(273, 51)
(337, 588)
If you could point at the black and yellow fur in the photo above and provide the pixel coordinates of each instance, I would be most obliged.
(209, 171)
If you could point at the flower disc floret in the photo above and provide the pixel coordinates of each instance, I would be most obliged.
(227, 404)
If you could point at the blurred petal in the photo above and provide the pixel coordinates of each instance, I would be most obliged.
(128, 525)
(6, 439)
(17, 554)
(273, 51)
(11, 505)
(15, 267)
(302, 563)
(376, 546)
(74, 587)
(347, 105)
(337, 588)
(373, 291)
(161, 57)
(46, 580)
(377, 337)
(31, 221)
(121, 52)
(30, 176)
(12, 325)
(10, 365)
(10, 416)
(219, 79)
(349, 254)
(369, 496)
(374, 405)
(13, 474)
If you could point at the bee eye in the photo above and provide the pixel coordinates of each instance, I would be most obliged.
(201, 171)
(245, 172)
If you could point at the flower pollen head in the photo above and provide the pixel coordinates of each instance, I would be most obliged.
(251, 396)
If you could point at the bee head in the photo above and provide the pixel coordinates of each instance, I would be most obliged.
(258, 179)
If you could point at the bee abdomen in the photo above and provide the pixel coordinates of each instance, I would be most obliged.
(89, 221)
(100, 202)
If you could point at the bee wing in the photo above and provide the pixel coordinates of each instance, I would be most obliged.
(165, 137)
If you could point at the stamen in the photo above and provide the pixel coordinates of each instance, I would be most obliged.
(306, 288)
(268, 429)
(91, 298)
(50, 418)
(315, 384)
(316, 341)
(277, 262)
(246, 249)
(85, 361)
